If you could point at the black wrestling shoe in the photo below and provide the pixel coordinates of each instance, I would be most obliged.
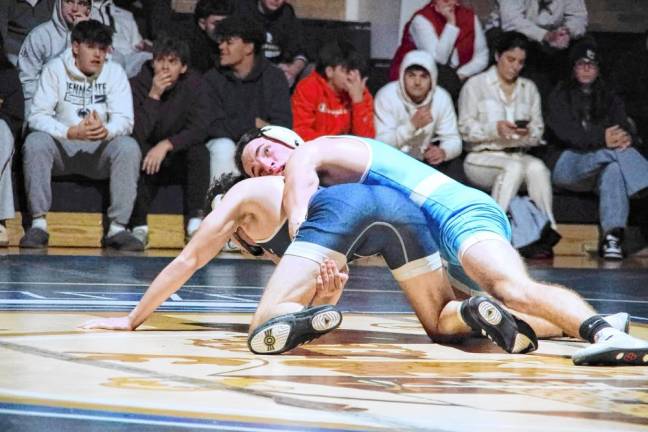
(619, 349)
(493, 321)
(285, 332)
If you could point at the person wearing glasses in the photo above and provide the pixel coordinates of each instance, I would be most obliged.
(593, 146)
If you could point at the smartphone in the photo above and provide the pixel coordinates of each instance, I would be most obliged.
(522, 124)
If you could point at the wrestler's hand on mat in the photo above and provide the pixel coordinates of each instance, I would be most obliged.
(331, 280)
(113, 323)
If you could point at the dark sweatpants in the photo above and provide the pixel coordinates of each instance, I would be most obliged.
(190, 168)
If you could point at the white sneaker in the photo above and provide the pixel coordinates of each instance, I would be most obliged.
(611, 248)
(230, 246)
(619, 349)
(141, 234)
(4, 236)
(620, 321)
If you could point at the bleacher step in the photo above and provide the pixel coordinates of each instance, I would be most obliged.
(166, 232)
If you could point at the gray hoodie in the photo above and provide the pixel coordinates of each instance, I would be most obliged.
(41, 45)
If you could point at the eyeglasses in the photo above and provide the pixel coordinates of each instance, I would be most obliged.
(586, 63)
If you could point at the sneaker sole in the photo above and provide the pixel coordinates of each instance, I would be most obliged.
(489, 316)
(273, 338)
(610, 356)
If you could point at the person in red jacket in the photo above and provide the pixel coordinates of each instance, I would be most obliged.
(334, 99)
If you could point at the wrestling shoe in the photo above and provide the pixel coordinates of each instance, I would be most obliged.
(618, 349)
(620, 321)
(493, 321)
(285, 332)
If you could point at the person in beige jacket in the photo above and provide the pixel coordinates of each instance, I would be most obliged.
(500, 118)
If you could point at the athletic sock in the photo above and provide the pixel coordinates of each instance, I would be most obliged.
(606, 333)
(40, 223)
(591, 326)
(115, 228)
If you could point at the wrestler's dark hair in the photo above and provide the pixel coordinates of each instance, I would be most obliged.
(220, 186)
(166, 45)
(92, 32)
(240, 146)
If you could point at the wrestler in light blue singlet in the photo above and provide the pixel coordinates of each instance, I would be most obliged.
(455, 212)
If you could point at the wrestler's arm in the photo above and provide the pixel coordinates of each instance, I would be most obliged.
(301, 181)
(329, 159)
(206, 243)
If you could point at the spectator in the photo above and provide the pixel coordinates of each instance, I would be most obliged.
(284, 43)
(129, 49)
(630, 80)
(246, 91)
(81, 115)
(204, 47)
(593, 146)
(171, 117)
(11, 117)
(416, 115)
(334, 99)
(18, 18)
(47, 41)
(500, 118)
(453, 36)
(551, 25)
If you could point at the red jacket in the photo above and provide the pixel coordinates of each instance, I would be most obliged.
(318, 110)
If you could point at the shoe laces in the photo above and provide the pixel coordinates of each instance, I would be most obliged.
(612, 242)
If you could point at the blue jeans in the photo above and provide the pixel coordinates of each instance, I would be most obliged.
(615, 175)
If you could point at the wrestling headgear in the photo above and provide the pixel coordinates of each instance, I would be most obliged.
(281, 134)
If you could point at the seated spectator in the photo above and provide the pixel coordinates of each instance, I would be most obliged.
(204, 47)
(11, 117)
(334, 99)
(284, 44)
(47, 41)
(416, 115)
(171, 117)
(18, 18)
(630, 81)
(500, 119)
(129, 49)
(551, 25)
(246, 91)
(81, 126)
(593, 146)
(453, 36)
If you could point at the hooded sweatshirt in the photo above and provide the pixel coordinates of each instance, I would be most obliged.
(42, 44)
(320, 110)
(181, 115)
(236, 102)
(64, 93)
(394, 109)
(125, 37)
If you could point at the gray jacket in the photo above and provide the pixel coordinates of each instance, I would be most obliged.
(42, 44)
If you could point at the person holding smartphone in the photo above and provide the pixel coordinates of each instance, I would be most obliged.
(500, 119)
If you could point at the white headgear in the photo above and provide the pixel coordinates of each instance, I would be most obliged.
(285, 135)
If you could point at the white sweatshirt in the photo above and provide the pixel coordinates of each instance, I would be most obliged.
(64, 93)
(393, 109)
